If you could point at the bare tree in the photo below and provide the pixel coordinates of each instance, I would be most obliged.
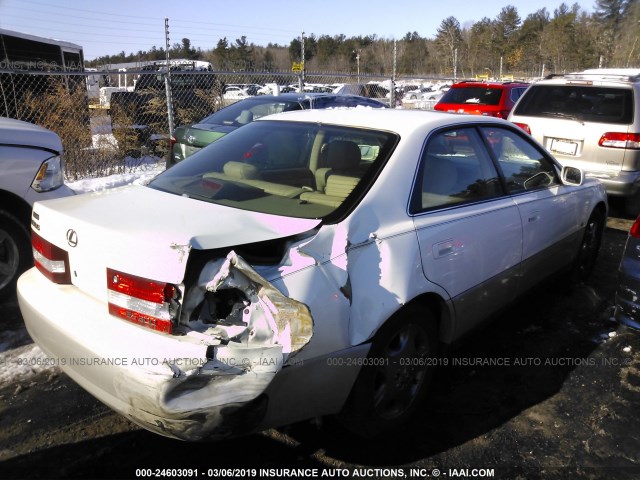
(449, 37)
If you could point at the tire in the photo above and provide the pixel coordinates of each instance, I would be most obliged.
(589, 247)
(393, 382)
(15, 253)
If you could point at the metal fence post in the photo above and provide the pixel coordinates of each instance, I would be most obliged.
(167, 86)
(167, 78)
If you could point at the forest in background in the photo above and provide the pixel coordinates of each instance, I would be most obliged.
(567, 39)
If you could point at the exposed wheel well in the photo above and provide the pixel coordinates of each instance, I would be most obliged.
(438, 308)
(17, 206)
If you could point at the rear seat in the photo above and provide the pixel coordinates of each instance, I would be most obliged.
(249, 175)
(337, 180)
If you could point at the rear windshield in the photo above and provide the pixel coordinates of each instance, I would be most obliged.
(283, 168)
(243, 112)
(586, 103)
(473, 95)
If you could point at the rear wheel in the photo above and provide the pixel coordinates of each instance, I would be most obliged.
(15, 252)
(393, 382)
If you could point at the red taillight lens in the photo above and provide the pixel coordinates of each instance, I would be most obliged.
(524, 127)
(620, 140)
(141, 301)
(172, 142)
(52, 261)
(635, 228)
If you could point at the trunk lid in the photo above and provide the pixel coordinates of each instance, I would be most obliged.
(575, 143)
(147, 233)
(202, 134)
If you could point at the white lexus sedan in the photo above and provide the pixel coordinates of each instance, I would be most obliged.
(306, 264)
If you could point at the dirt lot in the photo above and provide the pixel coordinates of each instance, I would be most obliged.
(558, 400)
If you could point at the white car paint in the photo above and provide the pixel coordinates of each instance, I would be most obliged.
(337, 283)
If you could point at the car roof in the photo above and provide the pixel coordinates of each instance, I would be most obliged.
(295, 96)
(17, 132)
(402, 122)
(480, 83)
(597, 76)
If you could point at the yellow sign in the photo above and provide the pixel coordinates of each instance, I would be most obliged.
(297, 67)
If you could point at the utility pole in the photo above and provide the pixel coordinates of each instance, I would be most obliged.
(167, 78)
(301, 82)
(455, 65)
(393, 76)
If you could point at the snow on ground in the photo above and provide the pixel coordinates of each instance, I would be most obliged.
(23, 362)
(139, 175)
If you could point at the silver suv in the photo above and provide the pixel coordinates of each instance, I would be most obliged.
(589, 120)
(31, 169)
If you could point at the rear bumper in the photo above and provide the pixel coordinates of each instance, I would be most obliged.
(620, 184)
(166, 384)
(163, 383)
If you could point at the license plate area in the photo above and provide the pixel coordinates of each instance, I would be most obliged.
(565, 147)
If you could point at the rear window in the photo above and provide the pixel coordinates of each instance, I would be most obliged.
(243, 112)
(304, 170)
(473, 95)
(345, 101)
(589, 104)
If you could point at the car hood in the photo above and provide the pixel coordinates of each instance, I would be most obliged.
(148, 233)
(17, 132)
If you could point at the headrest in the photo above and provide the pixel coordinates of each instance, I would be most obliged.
(240, 170)
(343, 155)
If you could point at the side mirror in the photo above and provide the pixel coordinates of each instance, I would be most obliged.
(572, 176)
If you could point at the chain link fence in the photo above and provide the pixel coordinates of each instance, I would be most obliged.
(111, 121)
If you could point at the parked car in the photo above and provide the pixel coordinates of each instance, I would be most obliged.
(234, 92)
(138, 117)
(495, 99)
(31, 170)
(309, 263)
(188, 139)
(627, 303)
(416, 94)
(590, 120)
(371, 90)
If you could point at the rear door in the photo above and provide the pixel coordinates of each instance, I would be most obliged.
(549, 209)
(469, 231)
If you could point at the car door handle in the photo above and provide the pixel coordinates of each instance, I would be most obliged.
(534, 217)
(448, 247)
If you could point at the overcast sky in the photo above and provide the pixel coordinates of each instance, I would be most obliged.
(111, 26)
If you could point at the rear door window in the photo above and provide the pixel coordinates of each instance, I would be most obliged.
(455, 169)
(524, 166)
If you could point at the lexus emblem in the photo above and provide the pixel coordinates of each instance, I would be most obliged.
(72, 237)
(191, 139)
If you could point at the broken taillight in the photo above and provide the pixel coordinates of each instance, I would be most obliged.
(141, 301)
(52, 261)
